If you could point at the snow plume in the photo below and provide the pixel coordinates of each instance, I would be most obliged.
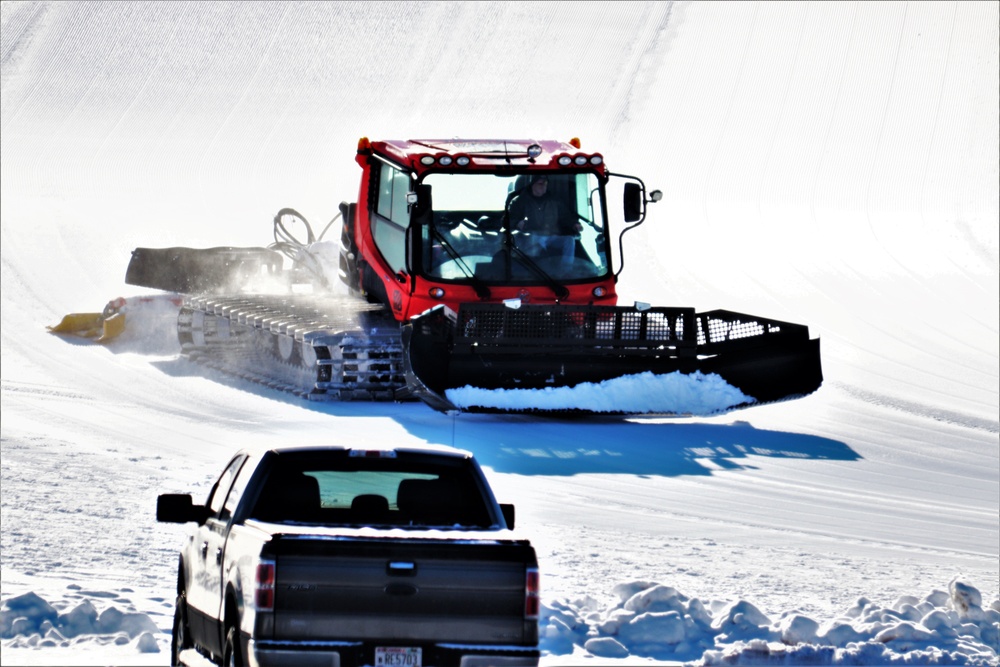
(673, 393)
(658, 622)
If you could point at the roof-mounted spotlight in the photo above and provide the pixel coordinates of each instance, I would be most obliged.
(444, 160)
(427, 160)
(534, 150)
(463, 160)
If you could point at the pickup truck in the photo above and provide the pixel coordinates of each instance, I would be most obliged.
(392, 557)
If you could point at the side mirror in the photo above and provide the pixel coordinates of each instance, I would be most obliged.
(633, 202)
(508, 514)
(179, 508)
(419, 201)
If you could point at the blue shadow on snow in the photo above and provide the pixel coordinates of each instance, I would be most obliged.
(538, 445)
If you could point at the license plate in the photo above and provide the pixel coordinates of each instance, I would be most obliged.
(398, 656)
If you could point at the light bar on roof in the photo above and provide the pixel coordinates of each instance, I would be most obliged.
(445, 160)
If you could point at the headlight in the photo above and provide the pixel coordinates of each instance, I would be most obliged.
(596, 159)
(444, 160)
(565, 160)
(462, 160)
(427, 160)
(580, 160)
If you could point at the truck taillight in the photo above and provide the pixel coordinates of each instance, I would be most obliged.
(372, 453)
(263, 587)
(532, 599)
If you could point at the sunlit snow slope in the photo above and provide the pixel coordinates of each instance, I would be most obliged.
(834, 164)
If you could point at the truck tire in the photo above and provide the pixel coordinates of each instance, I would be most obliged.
(181, 636)
(232, 656)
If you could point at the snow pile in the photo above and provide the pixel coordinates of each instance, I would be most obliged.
(28, 621)
(658, 622)
(696, 394)
(651, 621)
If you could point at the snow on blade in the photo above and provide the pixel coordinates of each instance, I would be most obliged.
(673, 393)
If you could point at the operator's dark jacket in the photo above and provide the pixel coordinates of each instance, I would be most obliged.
(545, 215)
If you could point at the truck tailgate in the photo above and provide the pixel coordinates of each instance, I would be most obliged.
(402, 589)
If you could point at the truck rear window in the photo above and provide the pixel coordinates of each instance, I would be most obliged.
(337, 490)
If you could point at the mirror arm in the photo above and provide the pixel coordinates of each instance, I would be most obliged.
(621, 249)
(654, 196)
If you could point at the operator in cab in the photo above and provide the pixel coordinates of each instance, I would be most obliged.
(551, 229)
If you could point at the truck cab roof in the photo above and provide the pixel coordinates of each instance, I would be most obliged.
(375, 449)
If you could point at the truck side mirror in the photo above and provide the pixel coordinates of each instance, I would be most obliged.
(508, 514)
(179, 508)
(633, 202)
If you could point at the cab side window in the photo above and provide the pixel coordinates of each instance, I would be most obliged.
(236, 492)
(392, 216)
(221, 489)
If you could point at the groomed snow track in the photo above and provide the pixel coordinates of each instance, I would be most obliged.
(320, 348)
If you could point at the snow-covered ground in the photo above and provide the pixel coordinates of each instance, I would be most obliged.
(834, 164)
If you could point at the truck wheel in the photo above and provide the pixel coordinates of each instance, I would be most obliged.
(181, 639)
(232, 657)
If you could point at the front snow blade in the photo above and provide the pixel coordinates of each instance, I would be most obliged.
(605, 359)
(201, 270)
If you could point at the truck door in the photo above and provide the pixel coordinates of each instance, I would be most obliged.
(204, 585)
(390, 220)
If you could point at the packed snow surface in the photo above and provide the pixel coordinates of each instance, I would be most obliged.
(830, 164)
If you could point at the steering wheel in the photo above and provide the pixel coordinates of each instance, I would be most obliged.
(447, 224)
(485, 224)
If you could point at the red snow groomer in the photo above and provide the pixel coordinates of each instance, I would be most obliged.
(479, 276)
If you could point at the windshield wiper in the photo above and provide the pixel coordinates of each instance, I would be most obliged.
(482, 291)
(559, 290)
